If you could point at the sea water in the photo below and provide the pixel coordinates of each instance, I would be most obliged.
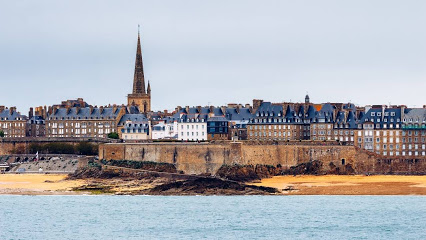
(212, 217)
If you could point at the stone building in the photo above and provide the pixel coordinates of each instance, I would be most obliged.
(272, 122)
(379, 130)
(335, 122)
(414, 132)
(134, 127)
(36, 126)
(238, 117)
(139, 96)
(12, 123)
(79, 102)
(83, 122)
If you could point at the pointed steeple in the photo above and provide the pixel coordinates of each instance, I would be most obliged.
(139, 80)
(148, 91)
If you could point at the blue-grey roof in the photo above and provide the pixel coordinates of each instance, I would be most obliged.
(6, 115)
(234, 114)
(134, 118)
(382, 116)
(217, 119)
(415, 115)
(84, 113)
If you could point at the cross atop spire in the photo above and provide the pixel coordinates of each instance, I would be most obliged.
(139, 79)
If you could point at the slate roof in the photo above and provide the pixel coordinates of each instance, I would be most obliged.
(5, 115)
(380, 116)
(134, 118)
(415, 115)
(85, 113)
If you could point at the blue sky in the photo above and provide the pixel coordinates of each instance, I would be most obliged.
(201, 52)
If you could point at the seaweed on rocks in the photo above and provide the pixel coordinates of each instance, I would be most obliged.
(245, 173)
(311, 168)
(209, 186)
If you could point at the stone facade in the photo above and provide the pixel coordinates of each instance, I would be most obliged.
(12, 123)
(83, 122)
(198, 158)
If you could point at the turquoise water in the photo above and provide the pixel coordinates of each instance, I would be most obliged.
(212, 217)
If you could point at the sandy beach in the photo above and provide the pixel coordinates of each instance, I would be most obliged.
(37, 184)
(347, 185)
(56, 184)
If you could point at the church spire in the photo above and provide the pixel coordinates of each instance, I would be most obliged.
(139, 80)
(148, 90)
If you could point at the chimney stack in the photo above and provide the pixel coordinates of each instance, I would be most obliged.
(31, 113)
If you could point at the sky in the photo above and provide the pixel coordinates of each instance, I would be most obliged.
(213, 52)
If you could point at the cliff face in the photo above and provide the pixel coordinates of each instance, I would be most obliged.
(198, 158)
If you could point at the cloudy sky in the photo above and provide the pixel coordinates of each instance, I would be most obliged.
(219, 51)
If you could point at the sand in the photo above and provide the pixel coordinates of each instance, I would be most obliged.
(37, 184)
(55, 184)
(347, 185)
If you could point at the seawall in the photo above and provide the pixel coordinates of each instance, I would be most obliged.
(198, 158)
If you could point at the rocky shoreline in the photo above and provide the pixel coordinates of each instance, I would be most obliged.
(116, 181)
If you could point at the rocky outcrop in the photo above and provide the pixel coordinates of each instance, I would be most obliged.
(209, 186)
(245, 173)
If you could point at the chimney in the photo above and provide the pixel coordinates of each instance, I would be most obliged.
(77, 110)
(199, 109)
(247, 105)
(238, 109)
(68, 109)
(101, 109)
(251, 110)
(187, 109)
(44, 112)
(223, 109)
(211, 110)
(50, 110)
(1, 109)
(31, 113)
(114, 108)
(257, 103)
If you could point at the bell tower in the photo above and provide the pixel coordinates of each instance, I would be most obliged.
(139, 97)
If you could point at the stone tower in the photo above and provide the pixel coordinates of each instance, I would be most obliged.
(139, 97)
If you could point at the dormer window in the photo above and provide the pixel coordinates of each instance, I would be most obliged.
(373, 114)
(379, 114)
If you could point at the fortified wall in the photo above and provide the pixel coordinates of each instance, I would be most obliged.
(198, 158)
(21, 145)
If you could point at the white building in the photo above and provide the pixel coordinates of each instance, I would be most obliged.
(165, 130)
(192, 129)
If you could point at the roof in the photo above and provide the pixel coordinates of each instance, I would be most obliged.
(7, 115)
(85, 113)
(415, 115)
(134, 118)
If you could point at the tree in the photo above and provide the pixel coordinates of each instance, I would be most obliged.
(85, 148)
(113, 135)
(1, 133)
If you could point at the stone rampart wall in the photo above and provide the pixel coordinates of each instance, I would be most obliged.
(197, 158)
